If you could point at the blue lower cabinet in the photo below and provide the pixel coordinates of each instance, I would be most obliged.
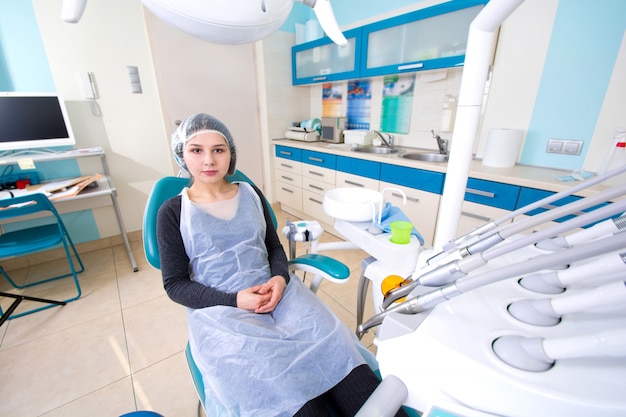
(360, 167)
(288, 153)
(532, 195)
(319, 159)
(413, 177)
(490, 193)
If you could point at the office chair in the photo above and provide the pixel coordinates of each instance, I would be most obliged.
(167, 187)
(48, 235)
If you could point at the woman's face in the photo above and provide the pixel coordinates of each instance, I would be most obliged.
(207, 157)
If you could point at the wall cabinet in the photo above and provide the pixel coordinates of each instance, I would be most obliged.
(430, 38)
(322, 60)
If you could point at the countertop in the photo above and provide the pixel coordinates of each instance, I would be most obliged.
(522, 175)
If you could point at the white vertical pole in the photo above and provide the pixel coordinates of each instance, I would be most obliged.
(480, 43)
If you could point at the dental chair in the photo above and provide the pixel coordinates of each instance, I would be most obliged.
(167, 187)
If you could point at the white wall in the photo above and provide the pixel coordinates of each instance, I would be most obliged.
(111, 36)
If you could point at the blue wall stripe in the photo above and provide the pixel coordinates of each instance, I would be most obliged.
(585, 41)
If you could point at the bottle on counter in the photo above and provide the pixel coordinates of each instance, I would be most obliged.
(616, 158)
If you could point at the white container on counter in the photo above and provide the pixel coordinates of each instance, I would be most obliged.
(358, 137)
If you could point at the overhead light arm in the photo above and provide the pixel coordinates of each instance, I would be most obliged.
(72, 10)
(324, 13)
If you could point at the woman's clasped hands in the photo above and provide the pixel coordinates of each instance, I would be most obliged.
(262, 298)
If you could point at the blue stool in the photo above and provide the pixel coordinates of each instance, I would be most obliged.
(142, 414)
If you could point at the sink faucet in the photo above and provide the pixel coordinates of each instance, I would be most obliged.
(441, 143)
(388, 142)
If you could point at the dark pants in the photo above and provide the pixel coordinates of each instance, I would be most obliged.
(347, 397)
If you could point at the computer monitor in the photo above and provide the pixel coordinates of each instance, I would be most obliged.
(33, 121)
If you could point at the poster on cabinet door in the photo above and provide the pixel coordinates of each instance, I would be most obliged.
(359, 105)
(331, 100)
(397, 103)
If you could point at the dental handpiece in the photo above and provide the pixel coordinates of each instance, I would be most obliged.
(490, 226)
(429, 300)
(495, 236)
(549, 311)
(538, 354)
(555, 282)
(609, 226)
(436, 276)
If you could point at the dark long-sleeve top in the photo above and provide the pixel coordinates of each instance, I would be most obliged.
(175, 267)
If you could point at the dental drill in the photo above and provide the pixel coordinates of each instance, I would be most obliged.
(444, 274)
(489, 228)
(429, 300)
(609, 226)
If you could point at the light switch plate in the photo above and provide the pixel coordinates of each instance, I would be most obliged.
(564, 146)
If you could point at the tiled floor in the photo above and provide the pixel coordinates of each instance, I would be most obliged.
(119, 348)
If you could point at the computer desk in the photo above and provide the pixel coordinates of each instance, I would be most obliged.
(103, 195)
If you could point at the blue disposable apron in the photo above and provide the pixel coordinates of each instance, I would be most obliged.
(257, 364)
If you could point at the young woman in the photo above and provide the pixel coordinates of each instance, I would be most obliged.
(265, 344)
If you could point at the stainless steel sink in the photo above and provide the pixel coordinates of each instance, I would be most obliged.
(426, 156)
(375, 149)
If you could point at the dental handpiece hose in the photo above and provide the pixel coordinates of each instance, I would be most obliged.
(431, 299)
(491, 228)
(444, 274)
(496, 236)
(488, 227)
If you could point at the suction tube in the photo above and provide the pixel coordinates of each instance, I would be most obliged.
(431, 299)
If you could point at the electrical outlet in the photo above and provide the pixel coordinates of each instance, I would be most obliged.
(564, 146)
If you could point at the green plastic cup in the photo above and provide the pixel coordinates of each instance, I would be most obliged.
(401, 232)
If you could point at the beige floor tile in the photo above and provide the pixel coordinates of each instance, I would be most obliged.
(155, 329)
(138, 287)
(166, 388)
(112, 400)
(100, 297)
(56, 369)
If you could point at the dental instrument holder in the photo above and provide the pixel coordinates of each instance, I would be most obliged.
(308, 231)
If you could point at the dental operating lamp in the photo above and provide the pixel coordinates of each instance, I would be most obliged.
(230, 22)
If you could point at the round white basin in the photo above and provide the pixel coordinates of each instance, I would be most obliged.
(352, 204)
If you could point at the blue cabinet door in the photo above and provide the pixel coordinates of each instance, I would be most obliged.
(431, 38)
(288, 153)
(413, 177)
(494, 194)
(319, 159)
(360, 167)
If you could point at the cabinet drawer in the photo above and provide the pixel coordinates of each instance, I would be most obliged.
(316, 186)
(318, 173)
(319, 159)
(360, 167)
(312, 205)
(288, 153)
(413, 178)
(286, 165)
(288, 177)
(289, 194)
(349, 180)
(494, 194)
